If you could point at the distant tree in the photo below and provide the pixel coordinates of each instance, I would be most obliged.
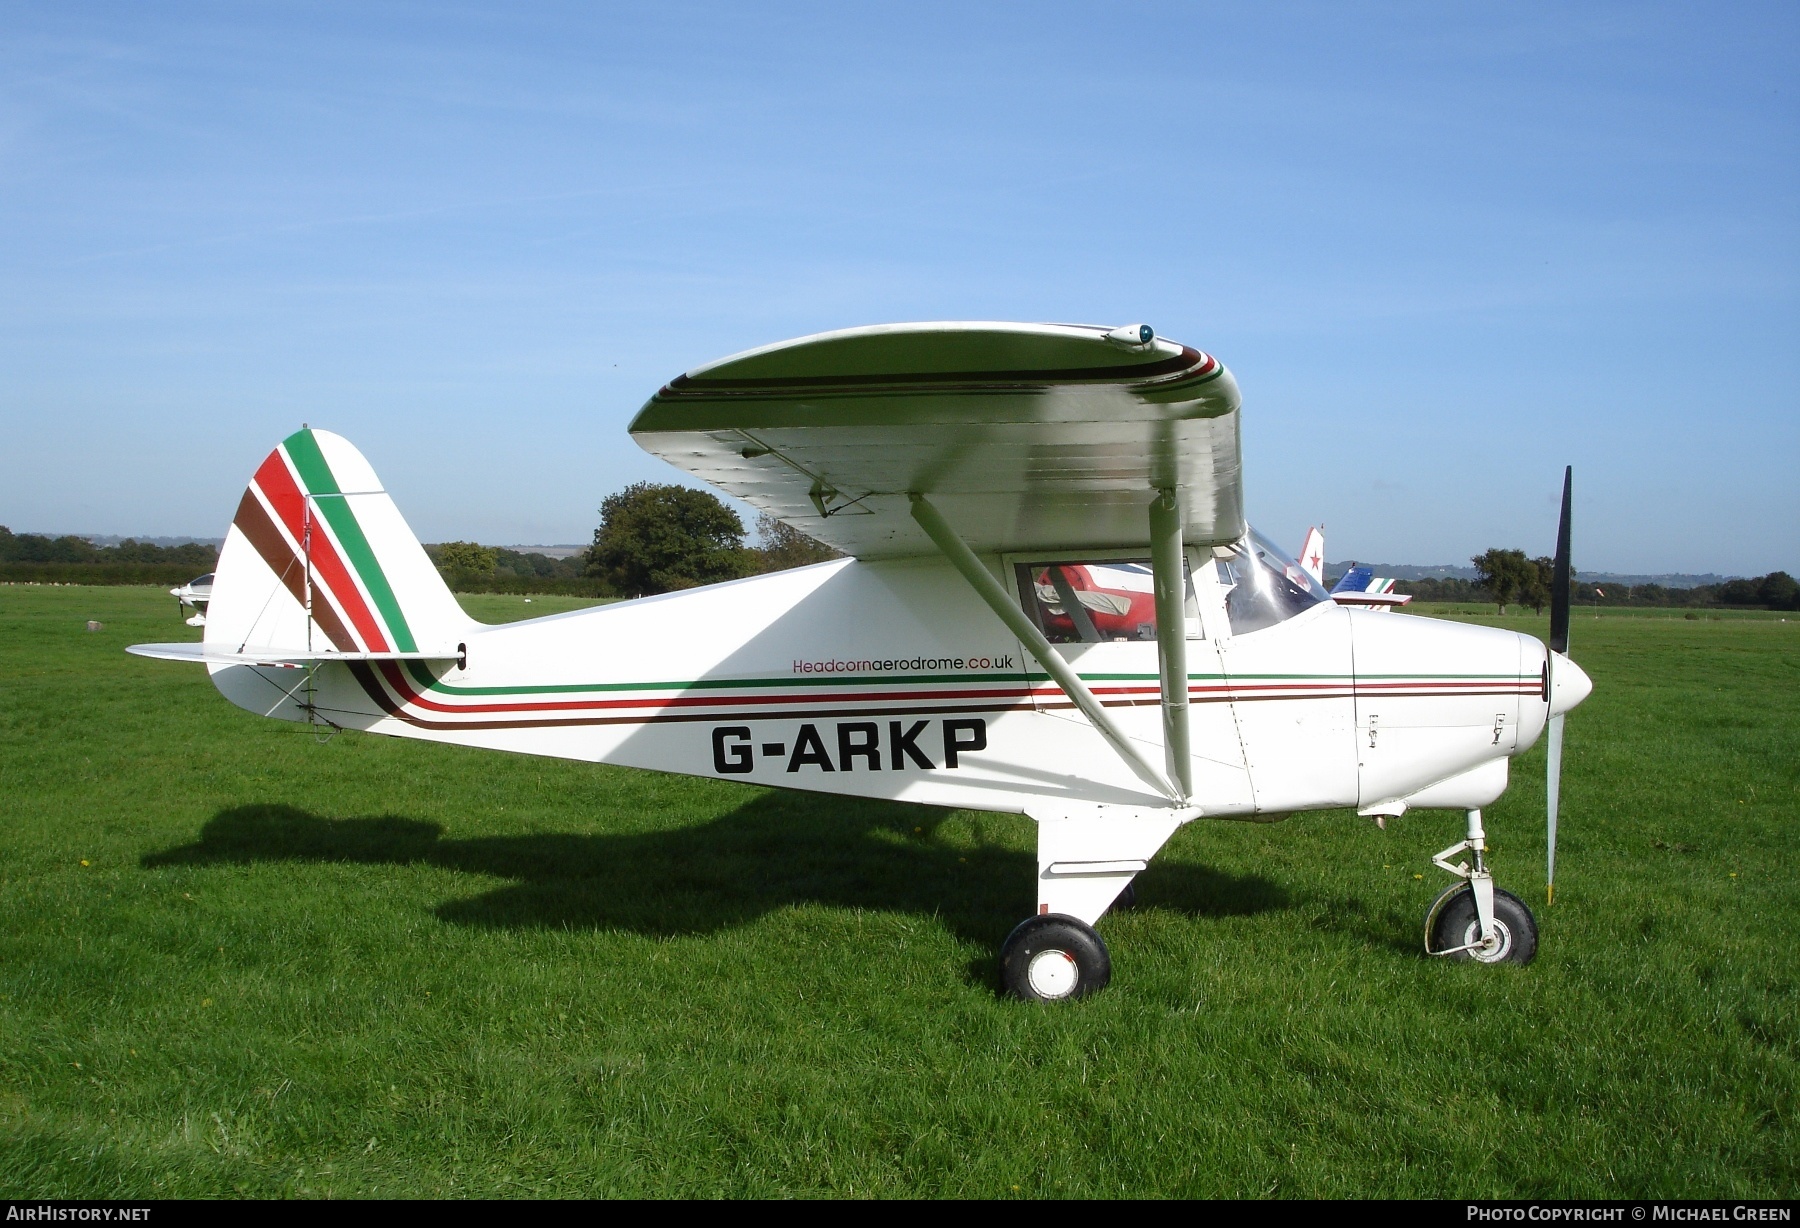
(1779, 591)
(657, 538)
(1740, 592)
(465, 557)
(36, 548)
(1535, 584)
(1505, 574)
(532, 565)
(784, 546)
(1447, 588)
(194, 554)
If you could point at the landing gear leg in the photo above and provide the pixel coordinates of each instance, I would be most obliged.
(1473, 919)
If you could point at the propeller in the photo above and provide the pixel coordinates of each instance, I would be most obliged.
(1559, 646)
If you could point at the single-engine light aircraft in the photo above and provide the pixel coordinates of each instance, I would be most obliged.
(1051, 605)
(194, 595)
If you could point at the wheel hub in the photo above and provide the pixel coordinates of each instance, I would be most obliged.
(1492, 949)
(1052, 974)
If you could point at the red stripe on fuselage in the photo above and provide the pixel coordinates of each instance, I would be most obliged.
(725, 706)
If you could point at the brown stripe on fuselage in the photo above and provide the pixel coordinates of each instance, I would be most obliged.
(252, 520)
(365, 675)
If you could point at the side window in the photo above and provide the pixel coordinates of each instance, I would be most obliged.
(1097, 602)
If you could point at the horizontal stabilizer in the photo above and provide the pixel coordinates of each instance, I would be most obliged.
(209, 654)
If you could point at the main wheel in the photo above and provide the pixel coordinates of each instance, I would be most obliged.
(1052, 957)
(1452, 923)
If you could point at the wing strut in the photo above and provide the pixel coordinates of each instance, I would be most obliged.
(989, 590)
(1167, 564)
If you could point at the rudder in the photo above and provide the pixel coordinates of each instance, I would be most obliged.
(319, 557)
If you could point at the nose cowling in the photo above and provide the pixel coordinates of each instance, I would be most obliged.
(1569, 684)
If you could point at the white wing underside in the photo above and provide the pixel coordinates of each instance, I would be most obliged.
(1025, 436)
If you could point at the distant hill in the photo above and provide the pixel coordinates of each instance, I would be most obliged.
(113, 539)
(1447, 571)
(550, 552)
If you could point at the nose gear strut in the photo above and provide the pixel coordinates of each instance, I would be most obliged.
(1475, 921)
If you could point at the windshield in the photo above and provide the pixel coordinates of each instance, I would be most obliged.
(1263, 586)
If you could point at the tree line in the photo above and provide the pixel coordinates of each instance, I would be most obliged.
(1510, 577)
(39, 558)
(656, 538)
(653, 538)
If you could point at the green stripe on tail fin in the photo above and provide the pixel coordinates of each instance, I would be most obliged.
(322, 485)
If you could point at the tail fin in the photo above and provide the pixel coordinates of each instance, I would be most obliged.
(318, 557)
(1312, 553)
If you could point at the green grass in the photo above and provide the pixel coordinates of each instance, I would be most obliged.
(239, 961)
(1582, 615)
(510, 607)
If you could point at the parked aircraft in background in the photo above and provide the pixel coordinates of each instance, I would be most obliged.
(1312, 553)
(1362, 587)
(1052, 605)
(1359, 586)
(194, 595)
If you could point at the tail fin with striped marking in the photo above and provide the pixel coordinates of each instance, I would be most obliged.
(318, 559)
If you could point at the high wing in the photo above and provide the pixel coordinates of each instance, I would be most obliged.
(1026, 436)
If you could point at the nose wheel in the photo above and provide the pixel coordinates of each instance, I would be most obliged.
(1453, 928)
(1053, 958)
(1473, 919)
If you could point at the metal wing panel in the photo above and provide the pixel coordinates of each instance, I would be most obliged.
(1025, 436)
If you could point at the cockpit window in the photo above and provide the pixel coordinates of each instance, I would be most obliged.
(1090, 603)
(1263, 586)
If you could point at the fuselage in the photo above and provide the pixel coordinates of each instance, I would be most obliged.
(891, 679)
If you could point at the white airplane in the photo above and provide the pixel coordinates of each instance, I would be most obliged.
(1005, 493)
(194, 595)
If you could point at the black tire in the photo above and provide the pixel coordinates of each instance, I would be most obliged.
(1054, 958)
(1451, 922)
(1127, 898)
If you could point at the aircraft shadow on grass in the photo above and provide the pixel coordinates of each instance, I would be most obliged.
(777, 850)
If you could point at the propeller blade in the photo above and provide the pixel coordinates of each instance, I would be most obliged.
(1559, 643)
(1553, 803)
(1559, 574)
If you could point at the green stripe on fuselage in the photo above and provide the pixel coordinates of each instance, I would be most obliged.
(423, 676)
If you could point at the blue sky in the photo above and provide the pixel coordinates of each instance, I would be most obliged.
(1445, 248)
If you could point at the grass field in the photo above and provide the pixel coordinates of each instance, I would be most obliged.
(239, 961)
